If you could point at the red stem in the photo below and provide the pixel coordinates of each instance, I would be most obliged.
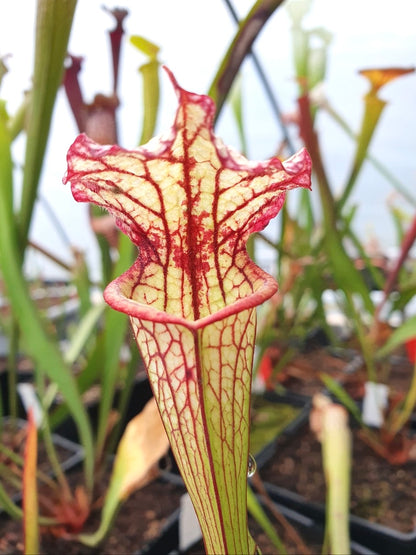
(407, 244)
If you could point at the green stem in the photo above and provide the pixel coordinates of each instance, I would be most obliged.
(346, 275)
(401, 415)
(125, 395)
(115, 329)
(12, 360)
(365, 343)
(47, 440)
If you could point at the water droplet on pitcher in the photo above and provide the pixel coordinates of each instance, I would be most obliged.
(251, 466)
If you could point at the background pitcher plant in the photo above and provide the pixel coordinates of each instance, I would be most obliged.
(189, 203)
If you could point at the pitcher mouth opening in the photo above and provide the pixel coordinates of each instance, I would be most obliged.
(117, 295)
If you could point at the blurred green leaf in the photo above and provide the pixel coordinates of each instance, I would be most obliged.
(236, 102)
(17, 122)
(373, 108)
(86, 328)
(53, 26)
(6, 179)
(317, 56)
(115, 333)
(346, 275)
(336, 389)
(260, 516)
(379, 166)
(248, 31)
(297, 9)
(401, 414)
(402, 334)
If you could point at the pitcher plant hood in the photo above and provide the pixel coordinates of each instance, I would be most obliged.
(189, 203)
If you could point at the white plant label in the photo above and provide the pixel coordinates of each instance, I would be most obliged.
(375, 403)
(189, 529)
(30, 401)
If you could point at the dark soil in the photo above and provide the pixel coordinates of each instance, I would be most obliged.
(303, 373)
(138, 522)
(380, 492)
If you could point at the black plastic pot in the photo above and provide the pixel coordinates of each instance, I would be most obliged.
(365, 535)
(277, 403)
(22, 377)
(167, 543)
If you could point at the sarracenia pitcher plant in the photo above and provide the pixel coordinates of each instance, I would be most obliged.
(189, 203)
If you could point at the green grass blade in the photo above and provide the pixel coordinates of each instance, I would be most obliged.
(336, 389)
(84, 331)
(402, 414)
(398, 337)
(115, 331)
(236, 102)
(346, 275)
(373, 108)
(53, 26)
(8, 505)
(258, 513)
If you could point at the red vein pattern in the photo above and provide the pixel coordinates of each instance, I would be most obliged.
(189, 203)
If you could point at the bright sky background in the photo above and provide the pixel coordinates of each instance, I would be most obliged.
(193, 36)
